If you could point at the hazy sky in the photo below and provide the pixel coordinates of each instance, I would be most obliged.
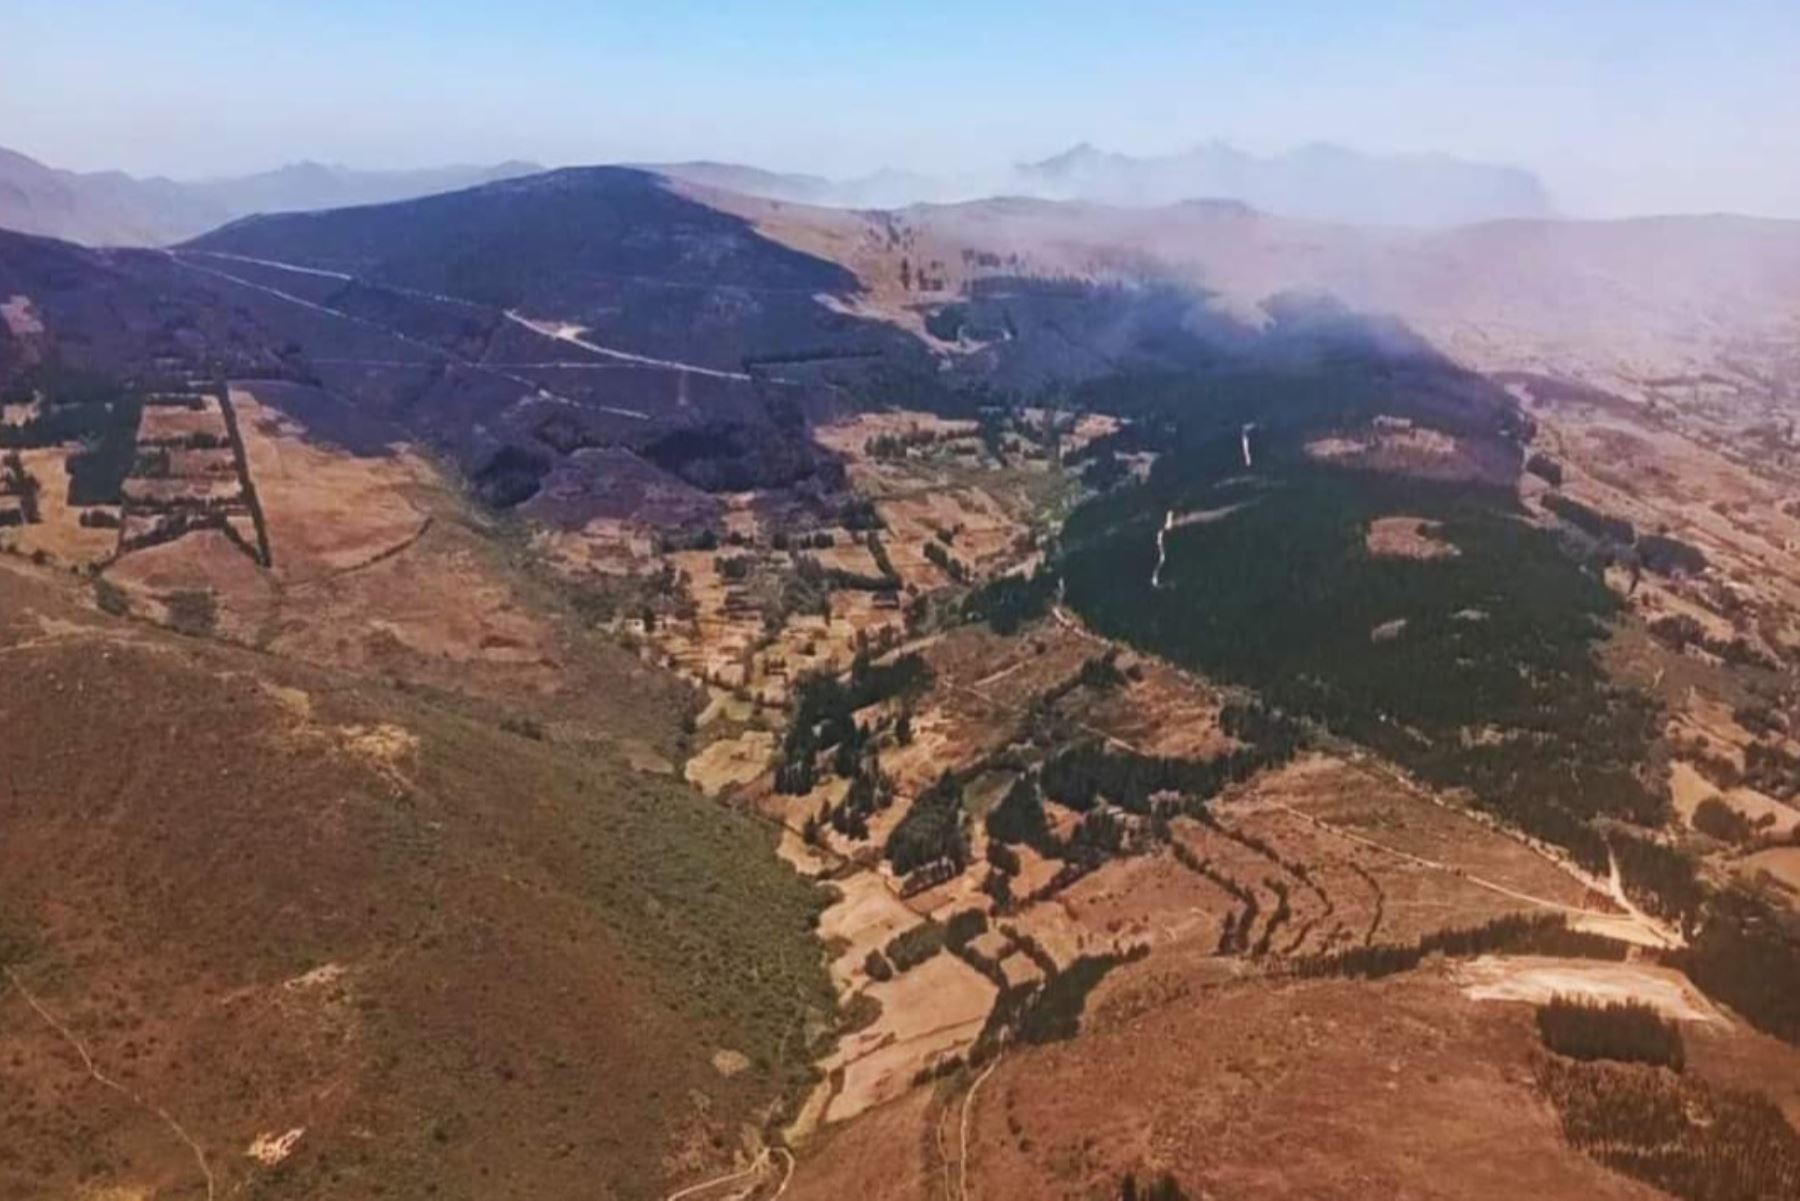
(1621, 105)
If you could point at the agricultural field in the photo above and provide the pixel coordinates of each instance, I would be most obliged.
(1102, 822)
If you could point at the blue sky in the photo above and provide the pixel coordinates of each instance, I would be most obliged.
(1622, 105)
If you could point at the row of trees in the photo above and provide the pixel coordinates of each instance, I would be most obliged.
(1591, 521)
(1517, 934)
(1628, 1032)
(946, 562)
(1082, 775)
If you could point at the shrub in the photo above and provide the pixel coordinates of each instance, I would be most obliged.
(964, 927)
(910, 948)
(524, 727)
(193, 613)
(1716, 819)
(111, 598)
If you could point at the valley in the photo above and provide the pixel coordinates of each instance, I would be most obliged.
(589, 686)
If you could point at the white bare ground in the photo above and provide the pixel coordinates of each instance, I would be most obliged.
(1620, 926)
(271, 1149)
(731, 761)
(20, 317)
(329, 973)
(865, 919)
(574, 335)
(1534, 981)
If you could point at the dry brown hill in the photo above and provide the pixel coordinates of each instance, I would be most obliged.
(282, 931)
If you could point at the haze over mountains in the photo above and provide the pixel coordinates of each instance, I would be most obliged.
(1320, 182)
(1316, 182)
(627, 683)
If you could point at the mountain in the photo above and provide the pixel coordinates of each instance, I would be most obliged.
(615, 251)
(106, 208)
(752, 181)
(308, 186)
(522, 326)
(1318, 182)
(428, 908)
(111, 208)
(515, 327)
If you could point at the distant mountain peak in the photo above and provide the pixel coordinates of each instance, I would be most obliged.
(113, 208)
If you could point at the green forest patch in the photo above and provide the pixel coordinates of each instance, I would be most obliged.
(1475, 670)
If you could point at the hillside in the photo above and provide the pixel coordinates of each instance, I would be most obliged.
(410, 945)
(1647, 296)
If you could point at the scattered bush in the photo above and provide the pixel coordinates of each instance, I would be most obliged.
(1545, 468)
(1161, 1187)
(524, 727)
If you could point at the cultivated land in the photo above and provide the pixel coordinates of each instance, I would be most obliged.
(300, 963)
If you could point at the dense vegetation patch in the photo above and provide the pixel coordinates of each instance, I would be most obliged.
(79, 407)
(1010, 601)
(825, 716)
(932, 830)
(1475, 670)
(1675, 1132)
(1744, 957)
(1629, 1032)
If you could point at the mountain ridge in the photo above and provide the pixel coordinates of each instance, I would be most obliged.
(1318, 181)
(116, 208)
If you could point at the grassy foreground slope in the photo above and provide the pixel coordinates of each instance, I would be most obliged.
(460, 962)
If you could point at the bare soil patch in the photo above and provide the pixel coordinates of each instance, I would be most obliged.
(1534, 981)
(1408, 538)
